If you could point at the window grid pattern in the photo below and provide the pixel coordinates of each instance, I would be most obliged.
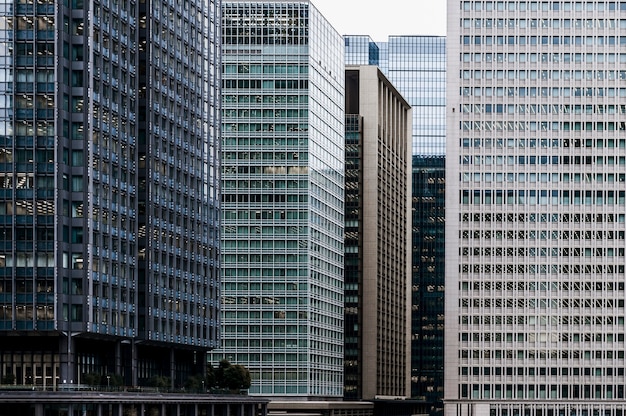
(534, 296)
(178, 167)
(416, 66)
(282, 176)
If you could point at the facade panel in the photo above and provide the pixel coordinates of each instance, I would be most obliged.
(99, 108)
(535, 208)
(378, 253)
(283, 177)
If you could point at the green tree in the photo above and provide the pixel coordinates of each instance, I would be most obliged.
(219, 373)
(210, 377)
(232, 377)
(8, 378)
(113, 380)
(195, 383)
(92, 379)
(161, 382)
(237, 377)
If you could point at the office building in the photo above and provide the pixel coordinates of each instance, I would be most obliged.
(535, 206)
(283, 203)
(378, 237)
(427, 347)
(109, 198)
(416, 65)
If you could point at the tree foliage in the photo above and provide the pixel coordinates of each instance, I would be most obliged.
(8, 378)
(232, 377)
(95, 379)
(195, 383)
(160, 382)
(210, 376)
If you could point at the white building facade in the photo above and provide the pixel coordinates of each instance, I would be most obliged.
(535, 208)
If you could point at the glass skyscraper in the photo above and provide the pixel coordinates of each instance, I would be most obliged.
(536, 207)
(109, 192)
(283, 202)
(428, 289)
(416, 66)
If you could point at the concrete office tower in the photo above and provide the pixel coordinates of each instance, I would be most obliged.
(109, 200)
(378, 237)
(535, 208)
(283, 203)
(416, 65)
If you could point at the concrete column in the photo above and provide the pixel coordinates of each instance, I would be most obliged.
(133, 363)
(118, 358)
(172, 368)
(67, 359)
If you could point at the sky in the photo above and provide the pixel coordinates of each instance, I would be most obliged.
(379, 19)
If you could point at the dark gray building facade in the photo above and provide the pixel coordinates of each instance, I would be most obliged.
(109, 194)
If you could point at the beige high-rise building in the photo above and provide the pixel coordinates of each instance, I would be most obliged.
(378, 236)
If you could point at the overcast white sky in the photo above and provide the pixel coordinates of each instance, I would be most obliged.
(381, 18)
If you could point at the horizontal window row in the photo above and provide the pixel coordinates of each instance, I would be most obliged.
(268, 170)
(270, 113)
(544, 74)
(265, 99)
(541, 125)
(555, 218)
(542, 197)
(533, 177)
(524, 337)
(265, 156)
(265, 36)
(578, 109)
(541, 391)
(228, 127)
(263, 258)
(531, 286)
(541, 303)
(544, 40)
(544, 58)
(27, 312)
(264, 214)
(279, 343)
(237, 287)
(542, 251)
(263, 198)
(541, 160)
(540, 92)
(542, 269)
(270, 84)
(543, 320)
(544, 6)
(265, 184)
(511, 143)
(276, 230)
(542, 23)
(266, 329)
(277, 68)
(540, 235)
(532, 354)
(542, 371)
